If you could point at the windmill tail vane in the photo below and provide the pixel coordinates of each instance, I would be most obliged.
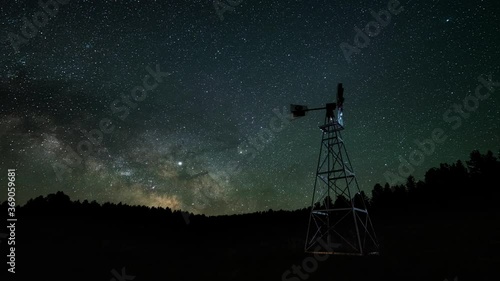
(339, 217)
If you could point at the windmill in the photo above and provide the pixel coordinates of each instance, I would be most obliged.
(339, 218)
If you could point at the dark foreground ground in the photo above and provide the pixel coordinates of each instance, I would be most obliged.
(446, 227)
(88, 243)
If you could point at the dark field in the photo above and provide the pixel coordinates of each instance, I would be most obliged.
(451, 233)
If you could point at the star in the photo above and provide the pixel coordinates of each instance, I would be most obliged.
(88, 106)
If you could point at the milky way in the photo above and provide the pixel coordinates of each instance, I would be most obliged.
(168, 103)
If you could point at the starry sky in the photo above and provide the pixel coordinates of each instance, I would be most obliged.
(221, 77)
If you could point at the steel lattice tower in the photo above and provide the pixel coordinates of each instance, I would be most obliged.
(339, 222)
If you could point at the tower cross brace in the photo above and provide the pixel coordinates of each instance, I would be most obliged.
(339, 222)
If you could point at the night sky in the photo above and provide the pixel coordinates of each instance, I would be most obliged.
(211, 133)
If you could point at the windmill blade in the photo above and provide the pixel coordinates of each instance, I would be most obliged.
(340, 95)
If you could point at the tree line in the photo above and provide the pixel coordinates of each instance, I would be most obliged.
(473, 186)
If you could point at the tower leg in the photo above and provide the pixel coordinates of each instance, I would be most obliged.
(339, 222)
